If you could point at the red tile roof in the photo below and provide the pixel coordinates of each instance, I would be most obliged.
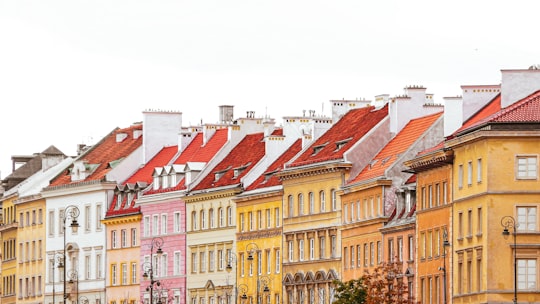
(398, 145)
(343, 134)
(104, 153)
(161, 159)
(492, 107)
(196, 152)
(526, 110)
(268, 178)
(244, 156)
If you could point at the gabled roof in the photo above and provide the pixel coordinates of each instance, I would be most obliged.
(196, 152)
(103, 154)
(144, 174)
(342, 135)
(268, 178)
(396, 147)
(236, 164)
(490, 108)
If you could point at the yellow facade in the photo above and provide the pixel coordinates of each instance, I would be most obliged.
(258, 243)
(311, 232)
(124, 256)
(31, 239)
(489, 185)
(10, 251)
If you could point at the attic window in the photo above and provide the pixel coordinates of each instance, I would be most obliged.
(317, 149)
(239, 170)
(218, 175)
(341, 143)
(386, 159)
(269, 175)
(373, 162)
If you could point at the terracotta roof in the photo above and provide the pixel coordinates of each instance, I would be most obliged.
(397, 146)
(241, 159)
(490, 108)
(342, 135)
(526, 110)
(161, 159)
(268, 178)
(411, 179)
(103, 153)
(196, 152)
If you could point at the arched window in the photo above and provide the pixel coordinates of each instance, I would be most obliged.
(211, 218)
(291, 206)
(300, 204)
(221, 217)
(203, 219)
(311, 203)
(334, 199)
(229, 216)
(322, 198)
(193, 220)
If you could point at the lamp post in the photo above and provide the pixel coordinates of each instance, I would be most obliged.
(230, 260)
(252, 247)
(446, 244)
(243, 289)
(74, 281)
(70, 213)
(509, 222)
(57, 262)
(148, 268)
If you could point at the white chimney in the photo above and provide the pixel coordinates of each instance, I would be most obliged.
(160, 129)
(453, 114)
(518, 84)
(341, 107)
(475, 97)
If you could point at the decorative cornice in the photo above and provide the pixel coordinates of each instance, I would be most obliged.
(203, 196)
(313, 170)
(260, 234)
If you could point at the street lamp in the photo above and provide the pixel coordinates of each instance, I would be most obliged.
(446, 245)
(252, 247)
(70, 213)
(57, 262)
(230, 260)
(243, 289)
(74, 281)
(148, 268)
(509, 222)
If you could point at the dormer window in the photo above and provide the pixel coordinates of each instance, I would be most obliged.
(341, 143)
(269, 175)
(173, 180)
(317, 149)
(156, 183)
(218, 175)
(164, 181)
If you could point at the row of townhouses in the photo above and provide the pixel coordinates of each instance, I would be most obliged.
(245, 211)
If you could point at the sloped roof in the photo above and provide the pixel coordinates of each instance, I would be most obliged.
(196, 152)
(242, 158)
(268, 178)
(397, 146)
(342, 135)
(144, 174)
(490, 108)
(526, 110)
(103, 153)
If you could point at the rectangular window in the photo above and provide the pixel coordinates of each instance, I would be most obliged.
(526, 167)
(479, 170)
(445, 193)
(134, 237)
(469, 173)
(87, 267)
(268, 262)
(87, 219)
(164, 224)
(400, 249)
(155, 224)
(268, 218)
(312, 249)
(221, 260)
(352, 256)
(123, 235)
(366, 255)
(146, 226)
(291, 251)
(212, 260)
(333, 245)
(424, 198)
(526, 218)
(242, 222)
(430, 196)
(479, 220)
(379, 252)
(202, 259)
(460, 176)
(437, 194)
(277, 217)
(345, 257)
(114, 241)
(469, 223)
(133, 273)
(322, 247)
(99, 217)
(51, 223)
(194, 262)
(177, 222)
(278, 261)
(99, 269)
(411, 248)
(358, 256)
(124, 274)
(113, 275)
(423, 245)
(301, 250)
(371, 253)
(460, 225)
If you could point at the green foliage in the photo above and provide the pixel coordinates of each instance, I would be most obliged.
(350, 292)
(385, 285)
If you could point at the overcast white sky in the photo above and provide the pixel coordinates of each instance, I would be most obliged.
(71, 71)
